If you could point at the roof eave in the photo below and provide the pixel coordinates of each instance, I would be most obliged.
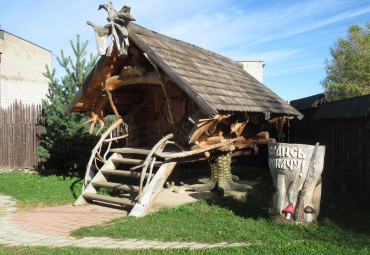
(99, 65)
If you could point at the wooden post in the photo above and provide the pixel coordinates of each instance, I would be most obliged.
(299, 211)
(153, 189)
(290, 166)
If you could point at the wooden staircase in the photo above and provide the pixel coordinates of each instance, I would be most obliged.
(123, 166)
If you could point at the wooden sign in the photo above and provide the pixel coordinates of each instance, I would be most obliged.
(296, 172)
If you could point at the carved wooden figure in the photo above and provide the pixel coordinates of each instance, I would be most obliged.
(296, 172)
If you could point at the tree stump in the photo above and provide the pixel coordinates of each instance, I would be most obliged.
(289, 166)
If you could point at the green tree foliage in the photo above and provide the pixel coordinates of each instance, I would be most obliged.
(348, 72)
(66, 142)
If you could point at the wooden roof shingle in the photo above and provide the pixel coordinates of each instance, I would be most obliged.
(214, 82)
(221, 82)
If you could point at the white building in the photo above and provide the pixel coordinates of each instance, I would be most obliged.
(254, 68)
(22, 65)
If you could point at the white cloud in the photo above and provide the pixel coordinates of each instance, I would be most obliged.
(296, 69)
(268, 57)
(284, 34)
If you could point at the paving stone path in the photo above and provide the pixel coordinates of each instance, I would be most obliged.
(51, 227)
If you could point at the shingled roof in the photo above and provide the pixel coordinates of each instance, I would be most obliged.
(214, 82)
(308, 102)
(355, 107)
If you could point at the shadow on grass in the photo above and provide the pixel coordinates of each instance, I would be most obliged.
(344, 212)
(335, 212)
(76, 185)
(255, 204)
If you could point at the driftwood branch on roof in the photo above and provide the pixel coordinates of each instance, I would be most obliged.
(118, 22)
(101, 36)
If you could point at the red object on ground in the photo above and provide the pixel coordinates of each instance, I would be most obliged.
(289, 210)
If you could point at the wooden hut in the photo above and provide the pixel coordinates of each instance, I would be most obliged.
(178, 102)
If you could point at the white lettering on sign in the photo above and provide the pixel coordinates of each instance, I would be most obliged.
(286, 157)
(300, 153)
(283, 164)
(281, 151)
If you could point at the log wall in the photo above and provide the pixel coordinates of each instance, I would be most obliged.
(151, 122)
(20, 129)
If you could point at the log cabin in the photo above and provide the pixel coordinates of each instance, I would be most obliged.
(176, 103)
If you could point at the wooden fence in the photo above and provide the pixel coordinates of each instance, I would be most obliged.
(20, 129)
(347, 155)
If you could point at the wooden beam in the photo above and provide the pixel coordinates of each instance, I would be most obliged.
(117, 81)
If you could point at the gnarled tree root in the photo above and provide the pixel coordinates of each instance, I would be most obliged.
(221, 177)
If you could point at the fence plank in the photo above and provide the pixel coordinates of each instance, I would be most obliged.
(347, 151)
(21, 127)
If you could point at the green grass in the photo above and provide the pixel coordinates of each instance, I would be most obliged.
(211, 223)
(286, 248)
(339, 231)
(32, 190)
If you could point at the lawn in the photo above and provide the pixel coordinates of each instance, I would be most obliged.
(339, 231)
(294, 248)
(32, 190)
(213, 223)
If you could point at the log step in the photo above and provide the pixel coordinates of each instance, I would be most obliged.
(116, 186)
(130, 151)
(123, 173)
(131, 161)
(113, 200)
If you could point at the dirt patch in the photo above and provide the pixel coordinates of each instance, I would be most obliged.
(178, 195)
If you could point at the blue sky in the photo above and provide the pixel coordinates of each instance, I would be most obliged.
(293, 38)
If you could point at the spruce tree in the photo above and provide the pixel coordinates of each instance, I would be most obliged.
(66, 143)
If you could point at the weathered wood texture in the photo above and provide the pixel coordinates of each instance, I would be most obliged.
(213, 81)
(150, 123)
(20, 129)
(153, 189)
(294, 168)
(347, 144)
